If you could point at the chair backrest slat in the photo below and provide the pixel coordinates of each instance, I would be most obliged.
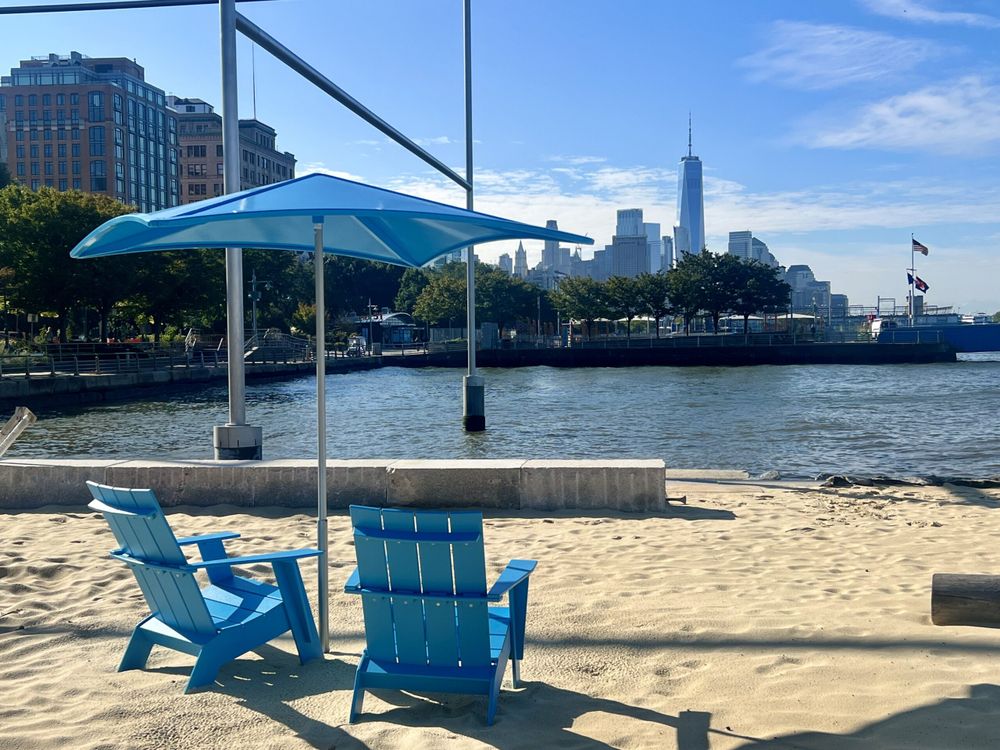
(423, 552)
(374, 575)
(173, 595)
(437, 578)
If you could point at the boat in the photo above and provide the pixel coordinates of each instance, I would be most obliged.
(966, 333)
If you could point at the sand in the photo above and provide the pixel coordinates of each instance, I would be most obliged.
(755, 616)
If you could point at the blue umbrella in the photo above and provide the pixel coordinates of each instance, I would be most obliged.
(316, 213)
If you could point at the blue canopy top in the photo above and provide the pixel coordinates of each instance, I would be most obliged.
(358, 220)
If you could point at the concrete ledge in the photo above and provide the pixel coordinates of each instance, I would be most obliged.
(455, 484)
(633, 485)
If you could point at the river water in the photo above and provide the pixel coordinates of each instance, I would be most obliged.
(901, 420)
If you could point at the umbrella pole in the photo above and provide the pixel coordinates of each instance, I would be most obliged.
(323, 540)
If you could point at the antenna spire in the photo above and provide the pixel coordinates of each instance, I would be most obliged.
(689, 133)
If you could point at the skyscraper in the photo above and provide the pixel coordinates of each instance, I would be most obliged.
(550, 250)
(690, 202)
(630, 223)
(520, 262)
(506, 264)
(655, 246)
(668, 253)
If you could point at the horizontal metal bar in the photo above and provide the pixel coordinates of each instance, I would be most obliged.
(253, 32)
(108, 5)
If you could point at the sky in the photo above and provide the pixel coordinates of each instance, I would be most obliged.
(833, 129)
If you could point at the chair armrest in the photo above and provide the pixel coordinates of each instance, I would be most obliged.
(515, 572)
(295, 554)
(218, 535)
(353, 585)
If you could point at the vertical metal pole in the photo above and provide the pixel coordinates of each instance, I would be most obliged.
(235, 440)
(474, 402)
(323, 540)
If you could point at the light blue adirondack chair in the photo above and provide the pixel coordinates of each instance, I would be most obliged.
(422, 580)
(218, 623)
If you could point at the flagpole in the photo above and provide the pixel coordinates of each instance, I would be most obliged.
(913, 276)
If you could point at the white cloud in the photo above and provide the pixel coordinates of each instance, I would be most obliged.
(317, 167)
(920, 11)
(577, 160)
(438, 140)
(959, 117)
(816, 56)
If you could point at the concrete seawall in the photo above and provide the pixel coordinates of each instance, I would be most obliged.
(627, 485)
(42, 391)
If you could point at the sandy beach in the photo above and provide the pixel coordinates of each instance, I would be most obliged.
(774, 616)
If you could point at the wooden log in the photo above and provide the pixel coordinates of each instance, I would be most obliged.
(960, 599)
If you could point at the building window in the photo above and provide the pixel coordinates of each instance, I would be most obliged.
(76, 183)
(20, 169)
(48, 150)
(75, 134)
(76, 150)
(98, 176)
(218, 151)
(34, 152)
(3, 102)
(19, 152)
(60, 99)
(48, 135)
(19, 135)
(32, 100)
(97, 141)
(74, 98)
(35, 184)
(62, 167)
(46, 100)
(18, 100)
(62, 150)
(60, 116)
(61, 134)
(74, 116)
(195, 152)
(48, 169)
(34, 168)
(76, 168)
(95, 106)
(63, 185)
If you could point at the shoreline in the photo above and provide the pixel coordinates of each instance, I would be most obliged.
(751, 617)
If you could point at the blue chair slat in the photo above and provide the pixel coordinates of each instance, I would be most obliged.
(404, 575)
(436, 574)
(470, 578)
(231, 616)
(422, 579)
(374, 573)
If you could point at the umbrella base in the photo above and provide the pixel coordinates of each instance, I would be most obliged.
(237, 442)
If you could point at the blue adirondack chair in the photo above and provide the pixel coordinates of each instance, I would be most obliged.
(218, 623)
(428, 626)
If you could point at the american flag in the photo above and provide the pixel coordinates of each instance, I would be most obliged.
(919, 247)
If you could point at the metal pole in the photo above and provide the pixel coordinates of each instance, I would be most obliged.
(115, 5)
(323, 540)
(267, 42)
(234, 440)
(474, 419)
(253, 306)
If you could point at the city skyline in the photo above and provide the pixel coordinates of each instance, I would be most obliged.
(832, 131)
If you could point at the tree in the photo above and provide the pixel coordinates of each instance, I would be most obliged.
(443, 299)
(411, 284)
(622, 295)
(580, 298)
(707, 281)
(4, 175)
(37, 231)
(503, 299)
(176, 286)
(758, 289)
(654, 296)
(684, 288)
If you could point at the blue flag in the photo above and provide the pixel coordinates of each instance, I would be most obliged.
(919, 283)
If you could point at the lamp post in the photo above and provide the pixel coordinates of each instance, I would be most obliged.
(254, 299)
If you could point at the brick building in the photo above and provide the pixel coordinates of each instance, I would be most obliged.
(93, 124)
(200, 139)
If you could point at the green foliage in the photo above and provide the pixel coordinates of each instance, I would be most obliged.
(4, 175)
(442, 300)
(623, 301)
(759, 290)
(996, 317)
(37, 231)
(412, 283)
(580, 298)
(653, 291)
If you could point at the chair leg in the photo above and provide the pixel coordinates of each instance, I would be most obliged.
(297, 609)
(205, 669)
(137, 652)
(358, 699)
(491, 709)
(515, 672)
